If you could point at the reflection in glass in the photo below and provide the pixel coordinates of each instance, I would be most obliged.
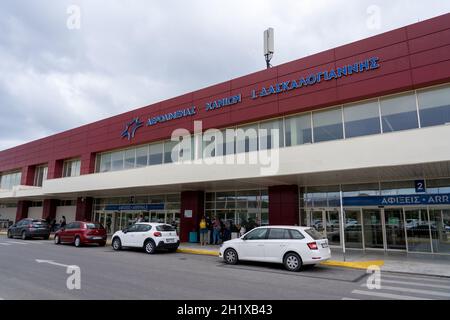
(353, 229)
(417, 230)
(362, 119)
(328, 125)
(395, 229)
(332, 227)
(440, 230)
(434, 106)
(298, 130)
(399, 113)
(373, 230)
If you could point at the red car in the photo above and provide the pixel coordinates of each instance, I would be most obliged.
(80, 233)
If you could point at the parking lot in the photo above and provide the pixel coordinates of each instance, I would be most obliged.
(36, 269)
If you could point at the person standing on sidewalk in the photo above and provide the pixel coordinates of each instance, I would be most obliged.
(203, 231)
(216, 231)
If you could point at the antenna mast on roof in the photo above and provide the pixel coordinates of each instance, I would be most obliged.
(268, 46)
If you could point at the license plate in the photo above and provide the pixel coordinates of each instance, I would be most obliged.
(324, 245)
(97, 238)
(170, 240)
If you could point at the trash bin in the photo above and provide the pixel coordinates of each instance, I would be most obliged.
(193, 237)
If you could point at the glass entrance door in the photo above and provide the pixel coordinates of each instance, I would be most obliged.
(417, 230)
(318, 221)
(395, 229)
(353, 229)
(332, 227)
(373, 228)
(440, 230)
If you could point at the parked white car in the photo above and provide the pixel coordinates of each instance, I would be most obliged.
(149, 236)
(291, 245)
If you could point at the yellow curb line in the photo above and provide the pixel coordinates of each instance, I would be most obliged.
(197, 251)
(353, 264)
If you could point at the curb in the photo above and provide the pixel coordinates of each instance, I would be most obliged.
(331, 263)
(198, 251)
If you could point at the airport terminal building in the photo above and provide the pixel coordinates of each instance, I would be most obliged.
(358, 139)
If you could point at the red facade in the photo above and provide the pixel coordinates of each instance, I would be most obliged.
(410, 57)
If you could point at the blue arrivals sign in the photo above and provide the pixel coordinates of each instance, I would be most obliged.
(135, 207)
(402, 200)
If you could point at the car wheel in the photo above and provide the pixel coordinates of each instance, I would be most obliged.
(292, 261)
(150, 247)
(9, 234)
(77, 242)
(230, 256)
(117, 244)
(57, 240)
(24, 235)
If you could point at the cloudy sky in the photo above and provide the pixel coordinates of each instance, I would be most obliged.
(55, 76)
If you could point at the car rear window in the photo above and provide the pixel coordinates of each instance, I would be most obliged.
(94, 225)
(165, 227)
(316, 235)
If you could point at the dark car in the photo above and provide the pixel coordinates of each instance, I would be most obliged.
(29, 228)
(80, 233)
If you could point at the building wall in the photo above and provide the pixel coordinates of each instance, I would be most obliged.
(8, 213)
(67, 211)
(35, 212)
(411, 57)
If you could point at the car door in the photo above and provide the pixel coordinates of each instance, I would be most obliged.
(141, 233)
(252, 246)
(76, 229)
(128, 236)
(278, 241)
(64, 234)
(15, 228)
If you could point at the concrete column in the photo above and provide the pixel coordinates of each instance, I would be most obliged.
(22, 209)
(195, 201)
(87, 163)
(84, 209)
(27, 176)
(283, 205)
(49, 209)
(55, 168)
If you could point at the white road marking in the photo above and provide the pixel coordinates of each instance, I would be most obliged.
(416, 284)
(387, 295)
(428, 292)
(5, 244)
(52, 262)
(414, 278)
(346, 298)
(17, 242)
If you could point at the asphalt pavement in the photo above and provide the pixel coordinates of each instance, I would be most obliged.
(37, 269)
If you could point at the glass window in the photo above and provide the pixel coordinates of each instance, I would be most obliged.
(397, 188)
(258, 234)
(298, 130)
(130, 159)
(117, 160)
(228, 145)
(141, 156)
(359, 190)
(362, 119)
(170, 151)
(434, 106)
(313, 233)
(156, 154)
(40, 175)
(438, 186)
(328, 125)
(399, 113)
(295, 234)
(278, 233)
(105, 162)
(268, 132)
(247, 138)
(10, 180)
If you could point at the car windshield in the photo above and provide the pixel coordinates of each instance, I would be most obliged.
(165, 227)
(316, 235)
(94, 225)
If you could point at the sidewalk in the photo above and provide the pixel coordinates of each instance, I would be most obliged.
(402, 262)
